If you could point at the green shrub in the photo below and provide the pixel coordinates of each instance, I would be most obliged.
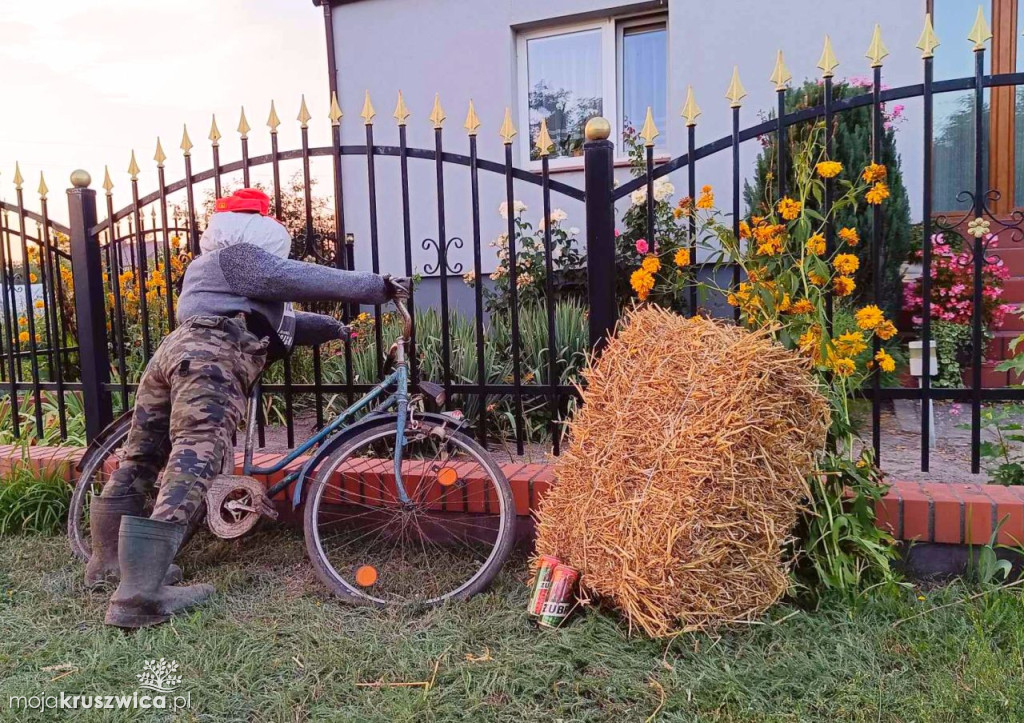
(33, 501)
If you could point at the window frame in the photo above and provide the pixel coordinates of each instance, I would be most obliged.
(611, 29)
(1002, 57)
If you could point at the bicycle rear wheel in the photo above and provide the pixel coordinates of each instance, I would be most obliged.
(94, 475)
(447, 542)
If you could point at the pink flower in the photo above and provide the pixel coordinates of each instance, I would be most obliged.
(954, 409)
(642, 247)
(617, 233)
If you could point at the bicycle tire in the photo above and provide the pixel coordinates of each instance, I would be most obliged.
(337, 584)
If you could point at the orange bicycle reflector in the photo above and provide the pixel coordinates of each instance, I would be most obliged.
(366, 575)
(447, 476)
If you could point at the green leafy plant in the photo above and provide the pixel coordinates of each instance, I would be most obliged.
(984, 566)
(952, 343)
(1003, 455)
(33, 501)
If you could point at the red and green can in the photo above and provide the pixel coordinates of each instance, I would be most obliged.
(556, 607)
(541, 584)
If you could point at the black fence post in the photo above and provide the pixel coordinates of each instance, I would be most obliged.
(599, 178)
(87, 273)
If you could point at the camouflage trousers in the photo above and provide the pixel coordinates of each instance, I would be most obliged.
(188, 406)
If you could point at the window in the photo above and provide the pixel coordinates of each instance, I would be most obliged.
(612, 68)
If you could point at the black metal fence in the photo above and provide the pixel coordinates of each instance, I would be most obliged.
(111, 332)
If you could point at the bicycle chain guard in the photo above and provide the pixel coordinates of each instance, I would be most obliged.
(234, 504)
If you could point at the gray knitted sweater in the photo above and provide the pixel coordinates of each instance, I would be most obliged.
(246, 279)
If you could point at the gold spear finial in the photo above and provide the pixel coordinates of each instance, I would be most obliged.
(335, 114)
(43, 190)
(437, 115)
(877, 50)
(186, 142)
(215, 135)
(108, 185)
(18, 180)
(928, 41)
(981, 31)
(133, 167)
(472, 122)
(368, 112)
(507, 130)
(401, 113)
(243, 125)
(273, 121)
(159, 156)
(544, 141)
(690, 108)
(650, 131)
(736, 92)
(827, 63)
(781, 75)
(303, 117)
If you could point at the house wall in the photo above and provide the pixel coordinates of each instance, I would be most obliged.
(466, 50)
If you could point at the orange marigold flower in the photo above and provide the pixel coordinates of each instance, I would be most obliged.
(878, 193)
(682, 258)
(874, 172)
(842, 366)
(744, 229)
(678, 212)
(816, 279)
(869, 317)
(651, 264)
(843, 285)
(809, 342)
(802, 306)
(757, 220)
(885, 362)
(886, 330)
(829, 169)
(23, 336)
(816, 244)
(849, 235)
(707, 198)
(846, 264)
(789, 208)
(850, 344)
(642, 283)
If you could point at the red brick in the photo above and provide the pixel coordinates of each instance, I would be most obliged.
(916, 505)
(1009, 514)
(887, 513)
(978, 508)
(946, 513)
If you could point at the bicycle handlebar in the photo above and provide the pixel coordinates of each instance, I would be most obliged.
(403, 311)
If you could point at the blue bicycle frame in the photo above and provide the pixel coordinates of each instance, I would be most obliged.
(397, 383)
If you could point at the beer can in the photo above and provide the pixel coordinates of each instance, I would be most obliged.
(560, 597)
(541, 584)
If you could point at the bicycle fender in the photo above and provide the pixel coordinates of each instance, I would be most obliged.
(328, 447)
(112, 428)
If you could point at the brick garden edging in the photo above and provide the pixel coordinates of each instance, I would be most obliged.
(924, 512)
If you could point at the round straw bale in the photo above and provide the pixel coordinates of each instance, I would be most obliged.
(685, 472)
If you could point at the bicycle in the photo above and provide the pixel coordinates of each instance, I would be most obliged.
(400, 506)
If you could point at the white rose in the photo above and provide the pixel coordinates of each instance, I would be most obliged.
(639, 196)
(663, 189)
(558, 215)
(573, 231)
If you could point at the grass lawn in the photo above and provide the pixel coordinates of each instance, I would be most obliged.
(273, 647)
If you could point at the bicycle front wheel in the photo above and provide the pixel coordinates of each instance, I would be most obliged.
(445, 541)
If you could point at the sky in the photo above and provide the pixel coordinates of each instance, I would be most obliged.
(85, 83)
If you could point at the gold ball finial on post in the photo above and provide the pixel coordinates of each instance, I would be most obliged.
(80, 178)
(597, 129)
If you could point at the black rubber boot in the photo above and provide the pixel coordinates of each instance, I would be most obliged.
(146, 550)
(105, 515)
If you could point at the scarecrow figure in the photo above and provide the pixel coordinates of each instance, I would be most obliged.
(233, 312)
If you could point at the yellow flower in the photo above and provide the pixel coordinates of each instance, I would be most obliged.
(651, 264)
(842, 366)
(809, 342)
(874, 172)
(885, 362)
(22, 321)
(642, 283)
(850, 344)
(869, 317)
(843, 286)
(744, 229)
(829, 169)
(707, 198)
(849, 235)
(802, 306)
(846, 264)
(886, 330)
(23, 336)
(39, 304)
(816, 244)
(682, 258)
(816, 280)
(677, 212)
(33, 278)
(789, 208)
(878, 193)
